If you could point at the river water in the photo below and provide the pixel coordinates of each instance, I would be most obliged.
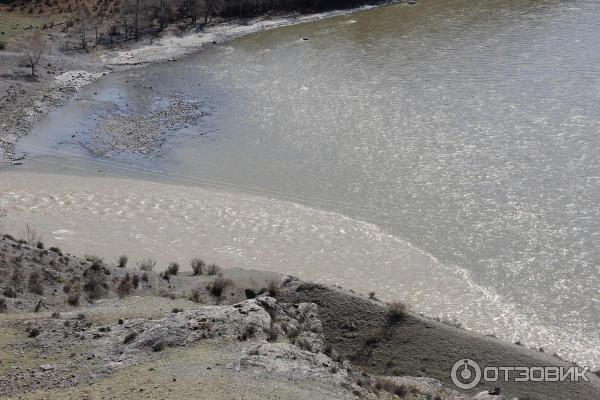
(446, 153)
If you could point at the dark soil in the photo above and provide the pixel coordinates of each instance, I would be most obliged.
(359, 331)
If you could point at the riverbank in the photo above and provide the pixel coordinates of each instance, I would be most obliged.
(64, 70)
(102, 212)
(132, 331)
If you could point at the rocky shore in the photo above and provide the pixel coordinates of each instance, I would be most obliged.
(83, 328)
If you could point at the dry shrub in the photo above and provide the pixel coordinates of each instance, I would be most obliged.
(124, 287)
(172, 269)
(198, 266)
(95, 282)
(249, 332)
(212, 269)
(167, 293)
(330, 352)
(196, 296)
(16, 281)
(218, 286)
(396, 311)
(159, 346)
(122, 261)
(273, 287)
(36, 283)
(135, 281)
(292, 334)
(375, 337)
(304, 344)
(69, 285)
(57, 251)
(33, 331)
(74, 294)
(394, 388)
(272, 332)
(9, 292)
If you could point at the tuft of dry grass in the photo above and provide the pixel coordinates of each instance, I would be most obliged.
(30, 236)
(147, 265)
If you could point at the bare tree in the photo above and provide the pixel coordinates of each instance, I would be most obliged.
(97, 20)
(212, 8)
(138, 10)
(84, 15)
(136, 19)
(125, 21)
(163, 17)
(33, 50)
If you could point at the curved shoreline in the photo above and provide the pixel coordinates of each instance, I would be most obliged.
(254, 232)
(64, 87)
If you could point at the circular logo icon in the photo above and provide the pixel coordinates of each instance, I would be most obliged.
(465, 374)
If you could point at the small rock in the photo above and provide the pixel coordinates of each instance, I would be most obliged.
(46, 367)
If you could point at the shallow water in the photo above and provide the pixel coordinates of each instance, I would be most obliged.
(468, 129)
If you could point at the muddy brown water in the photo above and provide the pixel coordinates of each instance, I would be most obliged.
(445, 153)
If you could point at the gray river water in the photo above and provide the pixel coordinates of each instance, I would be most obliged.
(469, 129)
